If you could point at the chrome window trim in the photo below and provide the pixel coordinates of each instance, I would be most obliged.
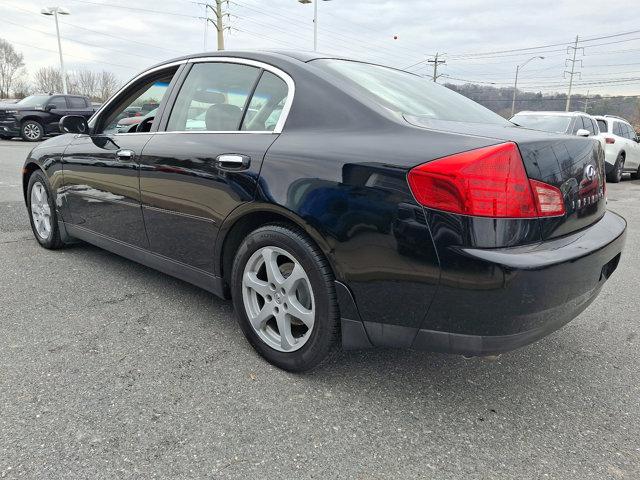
(93, 118)
(291, 87)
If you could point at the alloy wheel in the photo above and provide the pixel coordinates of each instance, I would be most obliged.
(32, 131)
(40, 210)
(278, 299)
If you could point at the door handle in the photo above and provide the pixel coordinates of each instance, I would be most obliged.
(233, 161)
(125, 155)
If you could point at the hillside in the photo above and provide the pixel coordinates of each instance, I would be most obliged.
(499, 100)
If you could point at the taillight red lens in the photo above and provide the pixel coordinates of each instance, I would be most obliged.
(486, 182)
(609, 140)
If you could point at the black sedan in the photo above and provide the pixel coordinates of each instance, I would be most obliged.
(335, 201)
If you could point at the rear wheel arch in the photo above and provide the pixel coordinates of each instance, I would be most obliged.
(240, 224)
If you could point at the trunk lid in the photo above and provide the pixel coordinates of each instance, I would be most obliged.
(573, 164)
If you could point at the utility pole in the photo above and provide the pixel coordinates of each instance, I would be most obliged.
(435, 63)
(219, 25)
(586, 102)
(573, 72)
(218, 22)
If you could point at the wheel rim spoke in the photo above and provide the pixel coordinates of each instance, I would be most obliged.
(297, 274)
(261, 318)
(287, 341)
(251, 280)
(297, 310)
(270, 258)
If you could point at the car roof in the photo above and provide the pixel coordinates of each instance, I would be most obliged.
(265, 55)
(548, 112)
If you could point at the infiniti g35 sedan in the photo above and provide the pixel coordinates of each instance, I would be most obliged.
(335, 201)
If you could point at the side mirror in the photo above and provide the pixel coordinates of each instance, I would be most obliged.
(583, 132)
(50, 107)
(73, 124)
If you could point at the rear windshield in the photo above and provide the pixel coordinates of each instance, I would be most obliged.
(409, 94)
(546, 123)
(603, 126)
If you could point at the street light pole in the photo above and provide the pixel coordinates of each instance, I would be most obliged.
(515, 84)
(54, 11)
(315, 21)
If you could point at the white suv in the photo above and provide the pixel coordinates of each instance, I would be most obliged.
(571, 123)
(622, 150)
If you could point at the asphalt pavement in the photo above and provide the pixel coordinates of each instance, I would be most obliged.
(111, 370)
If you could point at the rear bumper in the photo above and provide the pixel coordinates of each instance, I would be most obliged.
(515, 296)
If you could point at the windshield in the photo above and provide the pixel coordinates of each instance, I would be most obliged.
(409, 94)
(34, 101)
(546, 123)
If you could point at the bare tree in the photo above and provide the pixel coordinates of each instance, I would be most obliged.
(87, 83)
(11, 62)
(21, 86)
(107, 85)
(48, 80)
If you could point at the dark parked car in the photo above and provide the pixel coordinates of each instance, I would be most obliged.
(34, 117)
(373, 207)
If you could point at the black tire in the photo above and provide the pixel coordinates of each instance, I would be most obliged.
(323, 336)
(615, 175)
(52, 240)
(32, 131)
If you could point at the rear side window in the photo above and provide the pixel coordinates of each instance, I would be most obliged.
(603, 126)
(588, 125)
(213, 97)
(77, 102)
(266, 104)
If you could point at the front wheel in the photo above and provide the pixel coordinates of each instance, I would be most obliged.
(616, 174)
(284, 296)
(42, 212)
(32, 131)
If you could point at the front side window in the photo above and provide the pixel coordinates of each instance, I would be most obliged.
(617, 128)
(213, 97)
(266, 104)
(630, 134)
(144, 97)
(407, 93)
(546, 123)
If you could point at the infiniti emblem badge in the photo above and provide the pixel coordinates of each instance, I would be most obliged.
(589, 172)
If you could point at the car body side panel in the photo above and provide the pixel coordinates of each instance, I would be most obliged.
(186, 196)
(351, 187)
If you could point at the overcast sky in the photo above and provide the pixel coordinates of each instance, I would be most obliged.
(126, 36)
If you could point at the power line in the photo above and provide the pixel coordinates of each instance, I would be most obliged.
(75, 56)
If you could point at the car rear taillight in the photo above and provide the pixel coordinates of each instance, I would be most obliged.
(486, 182)
(609, 140)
